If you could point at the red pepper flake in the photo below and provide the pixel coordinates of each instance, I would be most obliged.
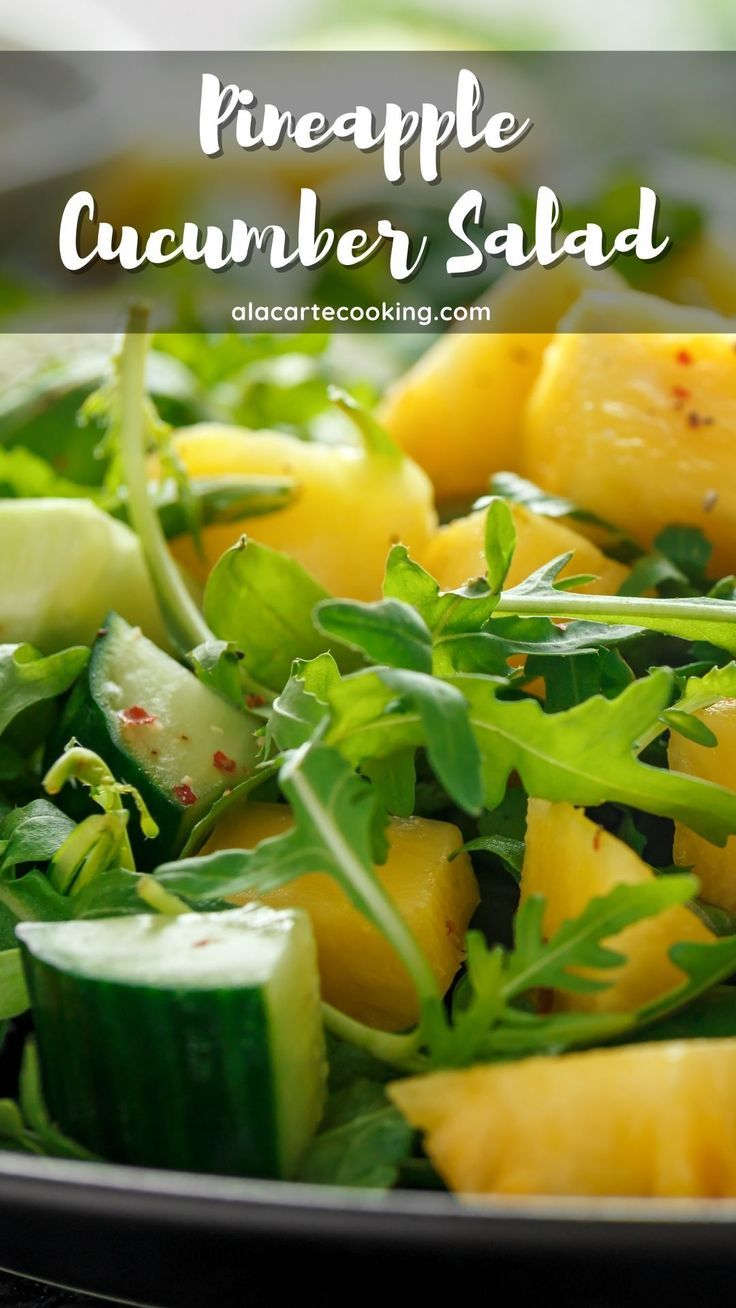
(597, 838)
(699, 420)
(681, 392)
(255, 701)
(223, 762)
(450, 928)
(184, 793)
(200, 944)
(135, 716)
(684, 357)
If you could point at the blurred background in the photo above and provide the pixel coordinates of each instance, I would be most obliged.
(384, 24)
(254, 382)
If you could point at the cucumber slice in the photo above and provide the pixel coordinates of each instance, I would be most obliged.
(192, 1042)
(160, 729)
(65, 565)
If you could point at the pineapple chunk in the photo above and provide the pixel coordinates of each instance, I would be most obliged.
(715, 866)
(456, 552)
(640, 428)
(458, 410)
(361, 974)
(650, 1120)
(703, 271)
(350, 506)
(570, 861)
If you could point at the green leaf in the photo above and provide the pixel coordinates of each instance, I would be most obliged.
(511, 852)
(32, 834)
(451, 746)
(520, 491)
(704, 966)
(217, 664)
(548, 964)
(301, 708)
(26, 677)
(488, 650)
(688, 549)
(363, 1142)
(697, 619)
(262, 602)
(448, 612)
(710, 1017)
(387, 631)
(375, 714)
(338, 829)
(690, 727)
(13, 994)
(394, 779)
(32, 898)
(500, 542)
(35, 1114)
(587, 755)
(375, 438)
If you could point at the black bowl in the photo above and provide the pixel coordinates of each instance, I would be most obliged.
(176, 1240)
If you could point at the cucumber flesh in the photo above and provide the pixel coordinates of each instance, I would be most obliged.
(65, 565)
(192, 1042)
(160, 729)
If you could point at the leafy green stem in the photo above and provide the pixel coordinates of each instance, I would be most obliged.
(691, 619)
(400, 1051)
(376, 902)
(184, 620)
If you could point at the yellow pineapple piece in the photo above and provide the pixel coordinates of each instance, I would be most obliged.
(715, 866)
(455, 553)
(703, 272)
(570, 861)
(458, 411)
(652, 1120)
(361, 974)
(350, 507)
(640, 428)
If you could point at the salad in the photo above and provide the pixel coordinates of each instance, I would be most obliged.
(368, 754)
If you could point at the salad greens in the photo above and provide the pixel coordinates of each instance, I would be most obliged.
(456, 704)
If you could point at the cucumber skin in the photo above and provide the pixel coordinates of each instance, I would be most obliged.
(85, 721)
(190, 1089)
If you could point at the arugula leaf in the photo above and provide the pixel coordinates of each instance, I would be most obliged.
(32, 834)
(712, 1016)
(387, 631)
(499, 542)
(511, 852)
(26, 677)
(301, 708)
(448, 612)
(216, 663)
(586, 755)
(262, 601)
(363, 1140)
(704, 966)
(520, 491)
(387, 709)
(697, 693)
(376, 440)
(264, 773)
(547, 964)
(132, 423)
(32, 898)
(394, 780)
(338, 829)
(696, 619)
